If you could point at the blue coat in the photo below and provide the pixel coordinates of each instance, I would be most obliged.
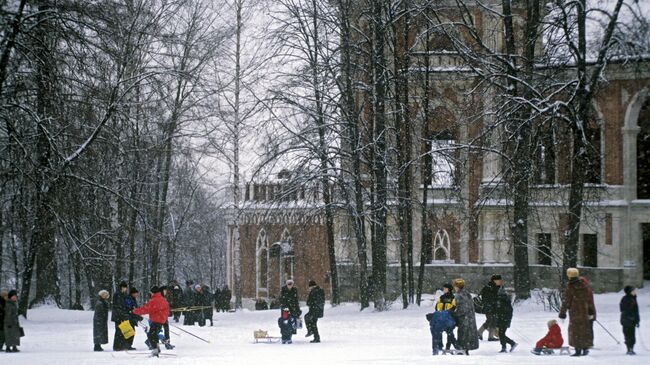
(629, 311)
(441, 321)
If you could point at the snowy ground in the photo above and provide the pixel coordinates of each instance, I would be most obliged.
(57, 336)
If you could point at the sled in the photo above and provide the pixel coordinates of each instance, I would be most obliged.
(454, 352)
(263, 336)
(562, 351)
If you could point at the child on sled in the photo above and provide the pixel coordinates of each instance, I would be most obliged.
(552, 340)
(442, 320)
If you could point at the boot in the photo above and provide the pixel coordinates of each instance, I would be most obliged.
(98, 348)
(155, 352)
(315, 340)
(169, 346)
(513, 346)
(630, 351)
(536, 351)
(578, 353)
(503, 350)
(585, 352)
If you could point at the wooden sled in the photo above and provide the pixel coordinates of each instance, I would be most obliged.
(454, 352)
(263, 336)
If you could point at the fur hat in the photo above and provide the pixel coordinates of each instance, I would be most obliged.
(12, 293)
(459, 283)
(496, 277)
(289, 281)
(312, 283)
(628, 289)
(572, 272)
(3, 294)
(103, 294)
(551, 323)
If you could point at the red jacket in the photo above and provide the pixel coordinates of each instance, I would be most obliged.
(157, 309)
(552, 340)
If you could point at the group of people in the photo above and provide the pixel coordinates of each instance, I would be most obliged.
(10, 330)
(199, 302)
(290, 311)
(455, 308)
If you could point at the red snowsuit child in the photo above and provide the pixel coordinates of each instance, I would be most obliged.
(158, 310)
(552, 340)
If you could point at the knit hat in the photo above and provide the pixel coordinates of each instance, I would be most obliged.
(572, 272)
(312, 283)
(289, 281)
(197, 286)
(448, 286)
(551, 323)
(133, 291)
(154, 289)
(495, 277)
(459, 283)
(628, 289)
(12, 293)
(123, 284)
(103, 294)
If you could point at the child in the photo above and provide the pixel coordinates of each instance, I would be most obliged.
(629, 317)
(552, 340)
(287, 325)
(442, 321)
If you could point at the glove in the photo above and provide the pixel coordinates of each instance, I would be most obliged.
(562, 316)
(637, 325)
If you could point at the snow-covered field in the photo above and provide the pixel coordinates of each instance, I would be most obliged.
(55, 336)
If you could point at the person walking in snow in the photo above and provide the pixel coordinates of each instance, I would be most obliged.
(119, 315)
(131, 302)
(465, 317)
(100, 320)
(3, 300)
(316, 304)
(11, 324)
(552, 340)
(158, 310)
(629, 317)
(289, 298)
(578, 301)
(488, 297)
(287, 324)
(175, 299)
(502, 318)
(447, 302)
(224, 299)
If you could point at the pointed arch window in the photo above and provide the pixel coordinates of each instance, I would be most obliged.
(441, 246)
(441, 159)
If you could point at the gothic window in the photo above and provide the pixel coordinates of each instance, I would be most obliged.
(594, 153)
(441, 159)
(262, 262)
(545, 156)
(441, 246)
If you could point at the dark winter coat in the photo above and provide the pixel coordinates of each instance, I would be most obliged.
(120, 313)
(11, 324)
(225, 296)
(579, 302)
(466, 321)
(502, 309)
(130, 303)
(2, 316)
(205, 300)
(100, 322)
(629, 311)
(289, 300)
(316, 302)
(175, 297)
(489, 297)
(287, 326)
(552, 340)
(188, 296)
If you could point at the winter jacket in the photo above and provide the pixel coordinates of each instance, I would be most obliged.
(205, 300)
(316, 302)
(130, 303)
(579, 303)
(2, 314)
(287, 325)
(629, 311)
(120, 313)
(157, 308)
(502, 309)
(11, 324)
(188, 296)
(100, 322)
(175, 297)
(289, 299)
(466, 321)
(441, 321)
(224, 298)
(446, 302)
(489, 296)
(552, 340)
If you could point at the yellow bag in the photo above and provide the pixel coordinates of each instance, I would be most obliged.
(127, 329)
